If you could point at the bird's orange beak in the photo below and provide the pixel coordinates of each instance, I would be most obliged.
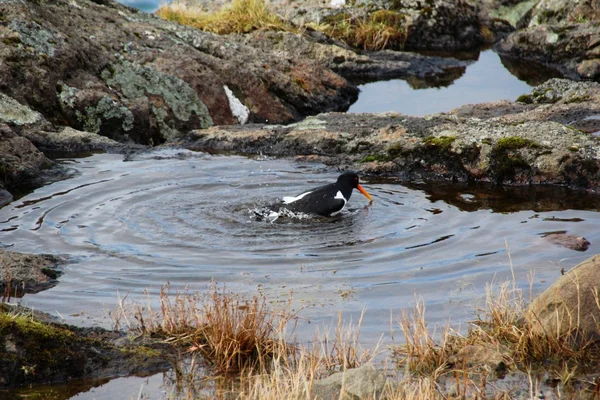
(363, 191)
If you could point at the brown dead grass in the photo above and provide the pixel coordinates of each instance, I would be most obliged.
(249, 343)
(500, 325)
(239, 16)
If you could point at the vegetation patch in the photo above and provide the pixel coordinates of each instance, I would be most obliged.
(443, 142)
(516, 343)
(376, 31)
(377, 157)
(31, 350)
(239, 16)
(432, 366)
(525, 98)
(515, 143)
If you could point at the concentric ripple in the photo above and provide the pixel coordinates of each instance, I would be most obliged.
(188, 218)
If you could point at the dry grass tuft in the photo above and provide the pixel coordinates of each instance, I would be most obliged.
(240, 16)
(376, 31)
(502, 322)
(500, 326)
(232, 333)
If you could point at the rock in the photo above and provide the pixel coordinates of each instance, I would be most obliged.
(15, 114)
(569, 306)
(35, 350)
(365, 382)
(367, 66)
(572, 242)
(21, 163)
(27, 273)
(562, 12)
(495, 358)
(515, 144)
(515, 12)
(447, 25)
(133, 77)
(571, 49)
(69, 141)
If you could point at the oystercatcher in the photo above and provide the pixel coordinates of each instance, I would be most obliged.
(328, 200)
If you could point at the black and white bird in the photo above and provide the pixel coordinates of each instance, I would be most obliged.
(328, 200)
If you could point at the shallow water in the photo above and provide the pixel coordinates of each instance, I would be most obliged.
(187, 218)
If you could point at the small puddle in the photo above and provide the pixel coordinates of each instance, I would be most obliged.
(485, 80)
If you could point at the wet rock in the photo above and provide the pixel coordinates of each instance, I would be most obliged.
(27, 273)
(34, 350)
(133, 77)
(572, 242)
(569, 306)
(365, 382)
(21, 163)
(518, 144)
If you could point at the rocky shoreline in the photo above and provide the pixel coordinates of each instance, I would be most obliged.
(95, 76)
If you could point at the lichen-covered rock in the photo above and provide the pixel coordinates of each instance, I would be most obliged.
(572, 49)
(108, 69)
(560, 12)
(14, 113)
(515, 12)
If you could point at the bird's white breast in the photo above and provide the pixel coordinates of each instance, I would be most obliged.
(339, 196)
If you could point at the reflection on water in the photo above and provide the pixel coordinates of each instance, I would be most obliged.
(187, 218)
(530, 71)
(485, 80)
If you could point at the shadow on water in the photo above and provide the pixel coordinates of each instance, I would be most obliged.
(532, 72)
(505, 199)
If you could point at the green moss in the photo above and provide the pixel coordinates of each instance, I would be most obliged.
(45, 351)
(577, 99)
(525, 98)
(443, 142)
(377, 157)
(515, 143)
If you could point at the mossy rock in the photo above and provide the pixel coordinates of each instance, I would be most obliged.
(515, 143)
(34, 350)
(443, 142)
(377, 157)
